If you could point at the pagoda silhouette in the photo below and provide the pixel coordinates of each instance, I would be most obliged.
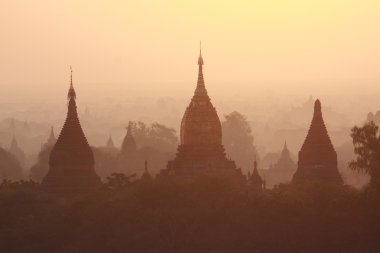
(317, 159)
(71, 162)
(282, 171)
(200, 148)
(255, 180)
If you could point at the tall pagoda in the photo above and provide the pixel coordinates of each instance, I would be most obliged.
(200, 148)
(317, 159)
(71, 162)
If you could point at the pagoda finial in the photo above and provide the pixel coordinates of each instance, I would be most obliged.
(200, 59)
(71, 93)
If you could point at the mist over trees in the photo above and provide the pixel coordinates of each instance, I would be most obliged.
(238, 140)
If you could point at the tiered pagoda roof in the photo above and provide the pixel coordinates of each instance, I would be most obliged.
(200, 124)
(71, 164)
(200, 148)
(317, 159)
(285, 161)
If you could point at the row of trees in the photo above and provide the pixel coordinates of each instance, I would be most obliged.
(206, 214)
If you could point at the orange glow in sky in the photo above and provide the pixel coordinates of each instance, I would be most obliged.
(306, 46)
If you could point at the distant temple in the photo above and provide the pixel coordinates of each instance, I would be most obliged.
(254, 179)
(52, 140)
(71, 163)
(40, 169)
(15, 150)
(317, 159)
(283, 170)
(200, 148)
(110, 143)
(129, 144)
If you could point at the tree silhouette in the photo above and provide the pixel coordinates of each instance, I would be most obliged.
(238, 140)
(366, 141)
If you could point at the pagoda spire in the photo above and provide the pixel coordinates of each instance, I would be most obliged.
(256, 180)
(71, 94)
(51, 141)
(110, 143)
(201, 88)
(52, 135)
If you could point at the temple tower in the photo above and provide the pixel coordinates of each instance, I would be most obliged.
(71, 162)
(52, 140)
(283, 170)
(255, 180)
(200, 148)
(129, 144)
(110, 143)
(317, 159)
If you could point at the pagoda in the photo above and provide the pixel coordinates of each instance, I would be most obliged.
(283, 170)
(51, 140)
(255, 180)
(71, 162)
(110, 143)
(200, 148)
(317, 159)
(129, 144)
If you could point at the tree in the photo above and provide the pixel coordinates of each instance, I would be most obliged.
(366, 142)
(156, 135)
(238, 140)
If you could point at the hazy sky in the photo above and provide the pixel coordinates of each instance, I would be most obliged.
(249, 47)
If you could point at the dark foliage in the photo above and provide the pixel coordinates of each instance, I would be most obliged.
(206, 214)
(366, 141)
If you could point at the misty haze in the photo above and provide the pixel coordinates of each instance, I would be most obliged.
(121, 131)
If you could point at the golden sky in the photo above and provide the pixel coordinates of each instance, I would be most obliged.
(308, 46)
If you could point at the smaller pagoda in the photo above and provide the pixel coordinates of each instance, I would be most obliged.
(129, 144)
(255, 180)
(283, 170)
